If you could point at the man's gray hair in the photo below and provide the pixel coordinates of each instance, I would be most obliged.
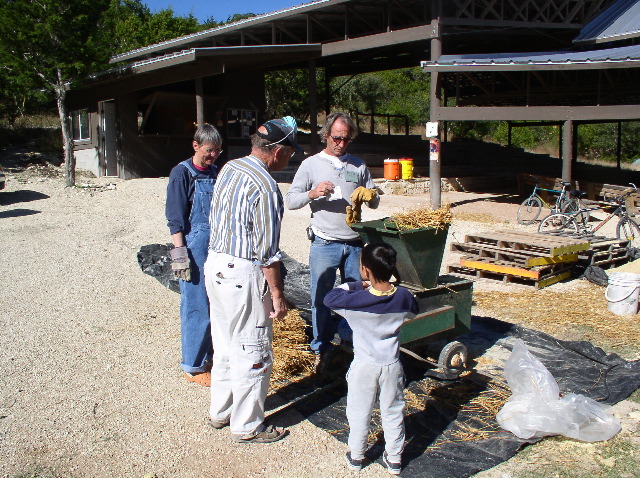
(263, 143)
(207, 134)
(332, 118)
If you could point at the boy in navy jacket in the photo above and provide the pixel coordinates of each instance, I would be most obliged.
(375, 310)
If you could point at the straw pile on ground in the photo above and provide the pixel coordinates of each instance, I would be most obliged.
(291, 355)
(558, 313)
(423, 218)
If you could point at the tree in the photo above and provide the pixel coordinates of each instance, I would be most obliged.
(53, 43)
(287, 93)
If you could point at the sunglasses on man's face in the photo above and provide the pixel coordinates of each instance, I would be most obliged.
(341, 139)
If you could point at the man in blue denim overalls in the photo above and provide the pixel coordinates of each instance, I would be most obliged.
(188, 203)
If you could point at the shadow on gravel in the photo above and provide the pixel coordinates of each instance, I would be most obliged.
(14, 197)
(498, 198)
(18, 213)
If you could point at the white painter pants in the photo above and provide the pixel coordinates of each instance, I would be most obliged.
(241, 331)
(365, 382)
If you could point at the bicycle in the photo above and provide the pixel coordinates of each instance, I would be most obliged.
(627, 229)
(567, 201)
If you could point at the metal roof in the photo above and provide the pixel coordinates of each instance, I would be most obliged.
(212, 32)
(618, 22)
(622, 57)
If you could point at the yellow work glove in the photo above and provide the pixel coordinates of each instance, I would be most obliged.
(350, 216)
(360, 195)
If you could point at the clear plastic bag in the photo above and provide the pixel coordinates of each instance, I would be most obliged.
(536, 409)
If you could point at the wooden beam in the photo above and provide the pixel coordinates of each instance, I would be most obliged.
(386, 39)
(539, 113)
(292, 35)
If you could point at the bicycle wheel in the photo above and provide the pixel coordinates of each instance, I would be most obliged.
(628, 230)
(529, 210)
(558, 222)
(573, 205)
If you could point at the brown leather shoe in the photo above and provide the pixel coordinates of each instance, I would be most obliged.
(201, 378)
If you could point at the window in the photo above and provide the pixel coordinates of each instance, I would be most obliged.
(80, 125)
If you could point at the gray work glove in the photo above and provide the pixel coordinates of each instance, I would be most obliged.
(180, 264)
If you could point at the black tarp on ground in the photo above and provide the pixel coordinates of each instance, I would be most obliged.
(437, 421)
(154, 260)
(578, 367)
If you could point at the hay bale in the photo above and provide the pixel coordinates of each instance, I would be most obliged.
(291, 354)
(424, 217)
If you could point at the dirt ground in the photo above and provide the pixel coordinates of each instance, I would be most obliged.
(90, 383)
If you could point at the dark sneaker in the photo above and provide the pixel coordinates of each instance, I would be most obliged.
(269, 435)
(355, 465)
(393, 468)
(218, 424)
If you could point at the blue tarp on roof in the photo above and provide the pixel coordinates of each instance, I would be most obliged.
(620, 21)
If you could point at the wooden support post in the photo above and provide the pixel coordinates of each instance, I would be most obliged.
(313, 104)
(567, 150)
(560, 142)
(327, 93)
(199, 102)
(435, 164)
(619, 145)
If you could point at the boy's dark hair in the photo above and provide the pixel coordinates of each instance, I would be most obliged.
(380, 259)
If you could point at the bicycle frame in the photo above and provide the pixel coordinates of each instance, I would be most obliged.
(562, 194)
(619, 211)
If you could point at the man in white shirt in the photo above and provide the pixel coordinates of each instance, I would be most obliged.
(326, 181)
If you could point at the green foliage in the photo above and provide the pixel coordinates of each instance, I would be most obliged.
(236, 17)
(50, 42)
(470, 130)
(129, 24)
(599, 141)
(525, 137)
(396, 92)
(287, 93)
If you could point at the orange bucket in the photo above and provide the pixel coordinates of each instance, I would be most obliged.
(391, 169)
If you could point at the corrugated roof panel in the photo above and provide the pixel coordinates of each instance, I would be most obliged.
(620, 21)
(540, 58)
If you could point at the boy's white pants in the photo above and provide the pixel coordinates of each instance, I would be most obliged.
(365, 382)
(241, 331)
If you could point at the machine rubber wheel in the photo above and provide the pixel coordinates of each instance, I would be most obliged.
(453, 358)
(529, 210)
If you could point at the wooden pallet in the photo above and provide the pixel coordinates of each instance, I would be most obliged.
(533, 259)
(536, 273)
(543, 244)
(538, 283)
(605, 253)
(522, 258)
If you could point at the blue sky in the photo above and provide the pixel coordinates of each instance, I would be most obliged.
(220, 10)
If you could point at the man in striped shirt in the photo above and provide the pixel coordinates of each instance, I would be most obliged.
(242, 276)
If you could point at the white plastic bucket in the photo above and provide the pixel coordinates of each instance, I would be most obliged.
(622, 293)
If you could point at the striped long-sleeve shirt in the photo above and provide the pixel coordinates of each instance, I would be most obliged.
(246, 212)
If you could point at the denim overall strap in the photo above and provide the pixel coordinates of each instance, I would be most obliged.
(201, 204)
